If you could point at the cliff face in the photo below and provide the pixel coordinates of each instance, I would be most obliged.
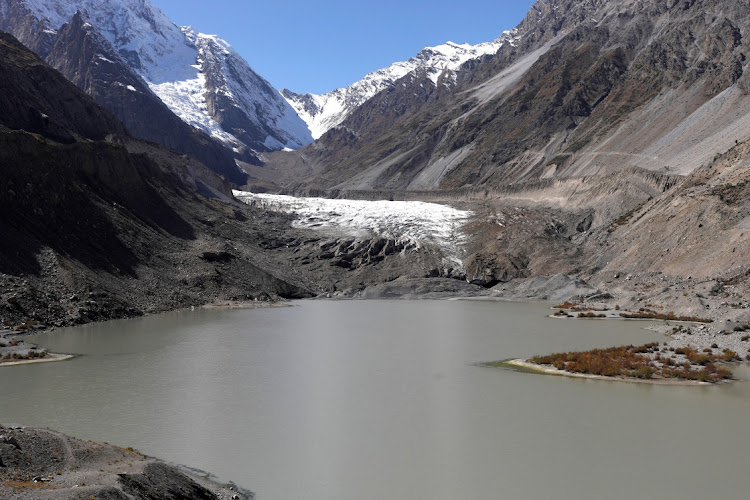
(38, 100)
(245, 105)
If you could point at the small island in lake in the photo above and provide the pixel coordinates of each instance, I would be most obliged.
(648, 362)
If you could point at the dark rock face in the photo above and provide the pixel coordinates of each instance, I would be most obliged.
(35, 99)
(159, 481)
(223, 107)
(47, 197)
(18, 20)
(307, 100)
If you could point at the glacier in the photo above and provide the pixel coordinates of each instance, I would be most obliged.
(414, 222)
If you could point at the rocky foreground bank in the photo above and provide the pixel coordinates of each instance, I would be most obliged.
(42, 464)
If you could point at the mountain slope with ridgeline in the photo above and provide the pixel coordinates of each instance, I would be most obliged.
(187, 91)
(440, 64)
(587, 88)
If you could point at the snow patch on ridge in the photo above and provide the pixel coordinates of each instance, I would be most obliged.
(414, 222)
(250, 92)
(187, 100)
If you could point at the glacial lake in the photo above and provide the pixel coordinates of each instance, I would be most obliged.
(334, 400)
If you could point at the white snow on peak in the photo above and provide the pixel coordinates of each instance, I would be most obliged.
(415, 222)
(187, 99)
(323, 112)
(170, 59)
(154, 44)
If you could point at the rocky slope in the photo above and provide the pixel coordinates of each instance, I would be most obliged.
(43, 464)
(589, 88)
(95, 223)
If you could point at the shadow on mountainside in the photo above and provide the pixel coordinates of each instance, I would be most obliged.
(68, 197)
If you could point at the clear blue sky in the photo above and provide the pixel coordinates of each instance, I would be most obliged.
(317, 46)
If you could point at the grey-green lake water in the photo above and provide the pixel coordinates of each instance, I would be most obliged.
(364, 400)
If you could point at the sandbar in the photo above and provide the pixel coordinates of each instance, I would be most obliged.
(525, 364)
(49, 358)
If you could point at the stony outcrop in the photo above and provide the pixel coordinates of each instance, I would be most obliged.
(42, 464)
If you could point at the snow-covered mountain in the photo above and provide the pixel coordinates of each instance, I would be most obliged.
(199, 77)
(323, 112)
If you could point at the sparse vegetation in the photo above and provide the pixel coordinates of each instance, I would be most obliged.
(562, 314)
(568, 305)
(624, 219)
(591, 315)
(645, 313)
(635, 362)
(24, 357)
